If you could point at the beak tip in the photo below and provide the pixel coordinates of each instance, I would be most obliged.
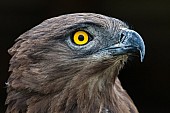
(142, 54)
(142, 51)
(142, 58)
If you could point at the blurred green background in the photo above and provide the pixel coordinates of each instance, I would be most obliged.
(148, 83)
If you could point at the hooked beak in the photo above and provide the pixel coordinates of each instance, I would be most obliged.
(130, 43)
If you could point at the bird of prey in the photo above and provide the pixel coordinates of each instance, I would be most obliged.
(70, 64)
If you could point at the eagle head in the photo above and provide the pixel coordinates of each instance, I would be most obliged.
(70, 63)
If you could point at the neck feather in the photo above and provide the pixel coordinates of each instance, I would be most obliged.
(100, 93)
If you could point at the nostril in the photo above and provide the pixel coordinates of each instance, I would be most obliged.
(122, 37)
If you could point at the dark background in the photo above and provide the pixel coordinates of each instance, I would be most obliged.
(148, 83)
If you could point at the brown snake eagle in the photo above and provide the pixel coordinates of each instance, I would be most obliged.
(70, 64)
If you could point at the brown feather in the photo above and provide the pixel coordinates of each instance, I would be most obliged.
(47, 77)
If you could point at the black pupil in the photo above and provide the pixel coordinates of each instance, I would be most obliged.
(81, 37)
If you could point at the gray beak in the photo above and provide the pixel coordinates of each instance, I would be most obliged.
(130, 42)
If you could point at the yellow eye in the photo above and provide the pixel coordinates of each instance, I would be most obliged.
(80, 38)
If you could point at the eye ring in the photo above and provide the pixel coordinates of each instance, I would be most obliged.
(80, 38)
